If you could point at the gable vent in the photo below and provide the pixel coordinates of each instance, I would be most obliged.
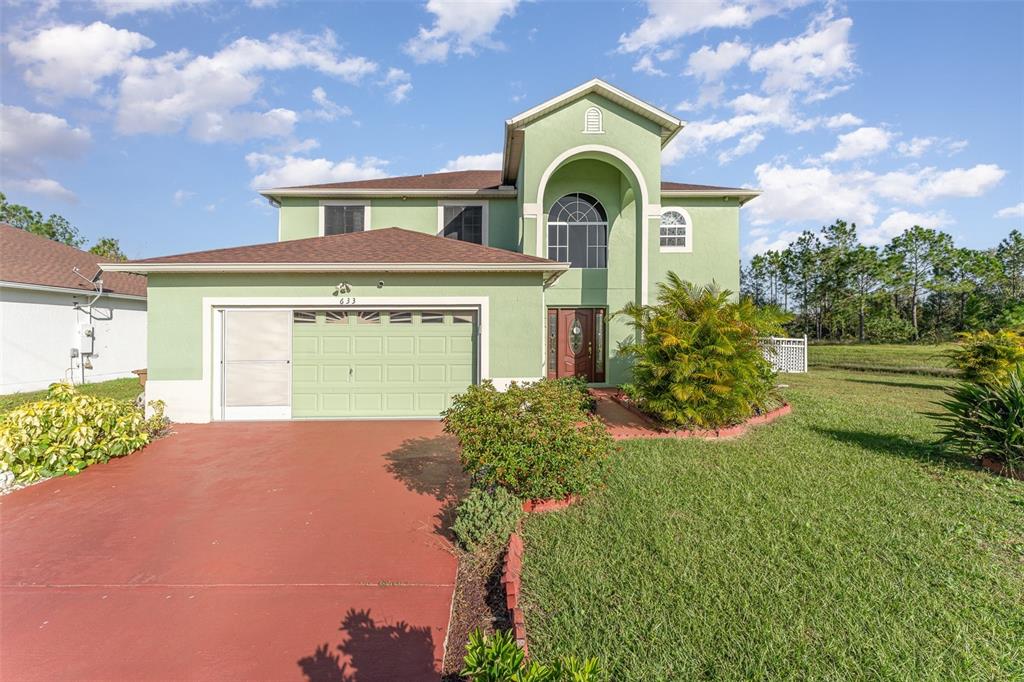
(592, 121)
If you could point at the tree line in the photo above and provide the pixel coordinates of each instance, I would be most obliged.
(58, 228)
(918, 286)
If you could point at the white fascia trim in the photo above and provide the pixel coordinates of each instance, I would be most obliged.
(508, 193)
(210, 383)
(68, 290)
(365, 203)
(743, 195)
(644, 201)
(338, 267)
(483, 204)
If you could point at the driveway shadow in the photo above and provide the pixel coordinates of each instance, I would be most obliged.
(430, 466)
(376, 652)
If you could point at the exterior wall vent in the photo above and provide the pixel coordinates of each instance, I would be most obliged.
(592, 121)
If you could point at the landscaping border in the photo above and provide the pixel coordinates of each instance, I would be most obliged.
(512, 568)
(653, 430)
(1000, 469)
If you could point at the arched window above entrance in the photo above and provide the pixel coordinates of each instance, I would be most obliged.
(578, 231)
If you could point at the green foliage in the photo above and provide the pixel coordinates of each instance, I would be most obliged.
(986, 419)
(484, 518)
(534, 440)
(984, 357)
(108, 249)
(56, 227)
(697, 361)
(498, 658)
(888, 329)
(67, 431)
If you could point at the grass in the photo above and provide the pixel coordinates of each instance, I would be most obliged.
(909, 358)
(123, 389)
(838, 543)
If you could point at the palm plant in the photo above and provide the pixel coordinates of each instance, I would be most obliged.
(986, 419)
(696, 356)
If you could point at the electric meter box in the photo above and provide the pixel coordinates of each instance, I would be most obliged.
(86, 337)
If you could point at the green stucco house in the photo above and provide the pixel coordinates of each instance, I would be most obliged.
(384, 298)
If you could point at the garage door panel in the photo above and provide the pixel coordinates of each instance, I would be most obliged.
(382, 369)
(369, 345)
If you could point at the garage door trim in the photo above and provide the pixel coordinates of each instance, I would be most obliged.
(213, 325)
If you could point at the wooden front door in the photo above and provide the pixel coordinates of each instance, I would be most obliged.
(574, 343)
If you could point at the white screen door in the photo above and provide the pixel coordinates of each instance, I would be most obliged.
(257, 356)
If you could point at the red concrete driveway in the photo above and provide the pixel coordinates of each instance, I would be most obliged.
(236, 551)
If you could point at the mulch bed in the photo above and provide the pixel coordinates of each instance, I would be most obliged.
(478, 602)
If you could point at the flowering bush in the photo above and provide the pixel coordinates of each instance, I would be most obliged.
(67, 431)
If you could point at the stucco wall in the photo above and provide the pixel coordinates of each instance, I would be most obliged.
(39, 328)
(300, 217)
(716, 245)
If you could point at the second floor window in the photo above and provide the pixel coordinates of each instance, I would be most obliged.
(674, 234)
(465, 223)
(578, 232)
(344, 219)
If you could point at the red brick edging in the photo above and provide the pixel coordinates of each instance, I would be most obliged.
(652, 430)
(997, 467)
(511, 574)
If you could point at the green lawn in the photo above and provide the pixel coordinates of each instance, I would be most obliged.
(889, 357)
(835, 544)
(125, 389)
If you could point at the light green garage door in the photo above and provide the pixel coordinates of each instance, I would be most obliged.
(387, 363)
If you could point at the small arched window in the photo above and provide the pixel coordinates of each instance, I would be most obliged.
(578, 231)
(676, 230)
(593, 121)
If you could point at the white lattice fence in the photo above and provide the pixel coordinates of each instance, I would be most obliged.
(786, 355)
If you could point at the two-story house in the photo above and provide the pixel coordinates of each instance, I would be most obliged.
(384, 298)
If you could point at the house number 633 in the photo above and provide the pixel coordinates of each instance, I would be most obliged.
(347, 300)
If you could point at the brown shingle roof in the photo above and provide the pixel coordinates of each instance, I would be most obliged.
(462, 180)
(687, 187)
(27, 258)
(390, 245)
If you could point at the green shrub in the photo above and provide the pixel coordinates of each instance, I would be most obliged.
(987, 419)
(498, 658)
(534, 440)
(696, 359)
(888, 329)
(986, 357)
(67, 431)
(486, 518)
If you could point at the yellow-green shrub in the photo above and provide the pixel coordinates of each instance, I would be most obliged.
(67, 431)
(984, 357)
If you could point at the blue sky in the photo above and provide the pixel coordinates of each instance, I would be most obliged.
(154, 121)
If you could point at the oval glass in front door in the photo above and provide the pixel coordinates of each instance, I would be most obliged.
(576, 336)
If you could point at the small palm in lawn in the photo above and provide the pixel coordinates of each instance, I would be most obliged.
(696, 359)
(986, 419)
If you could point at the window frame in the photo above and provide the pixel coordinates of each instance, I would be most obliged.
(343, 202)
(548, 223)
(484, 218)
(689, 230)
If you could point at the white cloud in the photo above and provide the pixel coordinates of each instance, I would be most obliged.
(819, 194)
(115, 7)
(711, 64)
(899, 221)
(70, 60)
(181, 196)
(1016, 211)
(915, 147)
(765, 242)
(289, 170)
(646, 65)
(747, 144)
(164, 94)
(44, 187)
(328, 110)
(490, 161)
(843, 121)
(28, 137)
(669, 20)
(819, 56)
(462, 26)
(861, 142)
(400, 83)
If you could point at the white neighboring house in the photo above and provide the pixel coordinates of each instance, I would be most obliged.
(59, 323)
